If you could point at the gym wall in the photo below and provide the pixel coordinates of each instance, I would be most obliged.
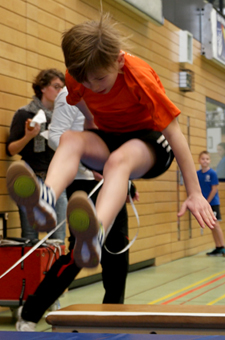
(30, 37)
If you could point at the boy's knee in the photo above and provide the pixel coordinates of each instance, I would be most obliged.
(115, 160)
(67, 136)
(72, 139)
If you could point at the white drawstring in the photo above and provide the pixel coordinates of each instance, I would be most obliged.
(138, 222)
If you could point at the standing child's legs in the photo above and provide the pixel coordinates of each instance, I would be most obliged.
(217, 234)
(115, 267)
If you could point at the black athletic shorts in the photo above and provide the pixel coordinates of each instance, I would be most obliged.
(164, 154)
(216, 212)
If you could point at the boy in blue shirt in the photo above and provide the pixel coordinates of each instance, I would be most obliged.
(208, 181)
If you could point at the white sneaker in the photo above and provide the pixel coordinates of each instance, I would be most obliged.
(87, 230)
(22, 325)
(32, 196)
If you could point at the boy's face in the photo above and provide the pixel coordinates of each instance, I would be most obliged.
(103, 80)
(204, 160)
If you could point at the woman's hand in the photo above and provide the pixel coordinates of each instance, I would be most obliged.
(31, 131)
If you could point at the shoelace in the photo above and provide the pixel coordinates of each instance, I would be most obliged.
(47, 194)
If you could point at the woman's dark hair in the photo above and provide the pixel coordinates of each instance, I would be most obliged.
(44, 79)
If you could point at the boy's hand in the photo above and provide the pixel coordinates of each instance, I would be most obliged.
(97, 175)
(89, 124)
(132, 191)
(134, 198)
(201, 210)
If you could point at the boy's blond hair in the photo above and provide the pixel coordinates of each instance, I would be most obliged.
(91, 46)
(204, 152)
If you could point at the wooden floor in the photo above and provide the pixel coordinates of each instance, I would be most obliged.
(195, 280)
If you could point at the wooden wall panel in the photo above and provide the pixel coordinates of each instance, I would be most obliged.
(30, 38)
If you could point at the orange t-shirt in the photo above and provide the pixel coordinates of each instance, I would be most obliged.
(137, 100)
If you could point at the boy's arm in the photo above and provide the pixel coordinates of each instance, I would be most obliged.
(195, 202)
(212, 193)
(89, 119)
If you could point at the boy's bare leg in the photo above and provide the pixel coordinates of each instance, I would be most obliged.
(89, 226)
(74, 146)
(132, 159)
(81, 215)
(37, 199)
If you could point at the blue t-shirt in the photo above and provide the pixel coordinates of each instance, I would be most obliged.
(207, 180)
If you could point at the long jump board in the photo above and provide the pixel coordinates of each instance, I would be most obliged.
(139, 316)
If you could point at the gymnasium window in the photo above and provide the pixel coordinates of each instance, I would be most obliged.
(215, 125)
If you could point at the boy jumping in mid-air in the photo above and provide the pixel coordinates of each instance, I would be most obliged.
(129, 122)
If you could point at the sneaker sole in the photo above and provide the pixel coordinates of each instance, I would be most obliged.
(84, 226)
(24, 189)
(23, 326)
